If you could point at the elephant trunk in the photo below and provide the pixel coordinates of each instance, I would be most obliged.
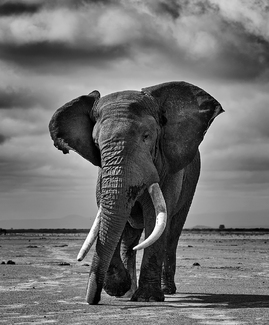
(115, 207)
(111, 228)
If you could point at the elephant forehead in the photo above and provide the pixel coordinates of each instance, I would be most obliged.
(125, 126)
(125, 102)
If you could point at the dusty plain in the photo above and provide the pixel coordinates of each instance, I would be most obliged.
(47, 286)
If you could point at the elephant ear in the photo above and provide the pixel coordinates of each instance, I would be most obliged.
(71, 127)
(188, 112)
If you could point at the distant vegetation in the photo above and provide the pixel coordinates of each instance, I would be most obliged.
(222, 230)
(188, 230)
(48, 231)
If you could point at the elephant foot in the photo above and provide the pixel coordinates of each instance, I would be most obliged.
(117, 282)
(130, 292)
(148, 293)
(169, 289)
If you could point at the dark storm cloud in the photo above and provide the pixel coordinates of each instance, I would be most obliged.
(247, 59)
(16, 8)
(18, 173)
(19, 98)
(242, 143)
(81, 3)
(58, 54)
(177, 9)
(28, 167)
(2, 139)
(239, 39)
(171, 8)
(196, 35)
(9, 8)
(252, 164)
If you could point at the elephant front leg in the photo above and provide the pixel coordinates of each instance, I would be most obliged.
(121, 276)
(117, 281)
(149, 288)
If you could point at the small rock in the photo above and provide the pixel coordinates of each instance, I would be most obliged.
(3, 262)
(86, 264)
(190, 246)
(32, 246)
(10, 262)
(64, 263)
(196, 264)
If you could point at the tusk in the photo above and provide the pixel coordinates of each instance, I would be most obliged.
(161, 216)
(93, 233)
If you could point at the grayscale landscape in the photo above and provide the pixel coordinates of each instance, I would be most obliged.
(52, 52)
(221, 277)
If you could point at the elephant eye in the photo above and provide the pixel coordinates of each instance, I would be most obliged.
(146, 136)
(96, 144)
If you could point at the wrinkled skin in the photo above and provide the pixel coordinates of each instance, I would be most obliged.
(137, 139)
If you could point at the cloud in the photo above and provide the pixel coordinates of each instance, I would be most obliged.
(57, 37)
(53, 51)
(10, 8)
(30, 163)
(58, 55)
(2, 139)
(252, 16)
(235, 151)
(14, 98)
(196, 35)
(171, 8)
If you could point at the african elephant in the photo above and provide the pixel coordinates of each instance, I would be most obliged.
(145, 144)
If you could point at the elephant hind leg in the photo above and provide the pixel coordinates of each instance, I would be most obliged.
(169, 264)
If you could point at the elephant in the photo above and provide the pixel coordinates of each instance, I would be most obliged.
(146, 147)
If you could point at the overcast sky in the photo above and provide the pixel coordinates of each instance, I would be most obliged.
(54, 51)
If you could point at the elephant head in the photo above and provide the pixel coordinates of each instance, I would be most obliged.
(135, 138)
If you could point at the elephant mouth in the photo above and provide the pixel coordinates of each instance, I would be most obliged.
(161, 216)
(160, 224)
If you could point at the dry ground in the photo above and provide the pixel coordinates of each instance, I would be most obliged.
(230, 287)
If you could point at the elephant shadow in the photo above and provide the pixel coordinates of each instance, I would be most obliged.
(212, 301)
(229, 301)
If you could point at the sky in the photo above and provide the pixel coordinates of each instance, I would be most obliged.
(54, 51)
